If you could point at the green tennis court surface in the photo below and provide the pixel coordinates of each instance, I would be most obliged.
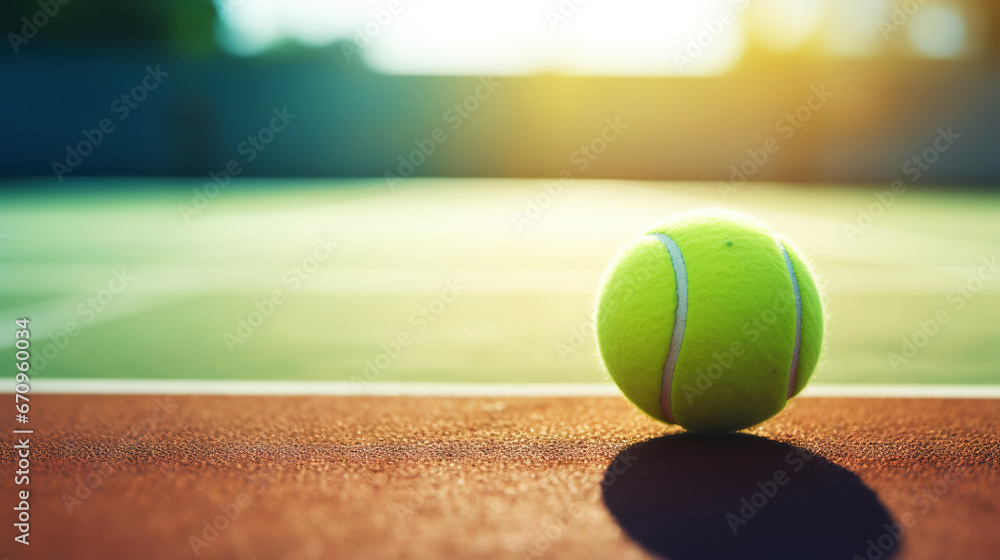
(456, 280)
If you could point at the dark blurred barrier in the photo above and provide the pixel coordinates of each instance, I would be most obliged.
(837, 121)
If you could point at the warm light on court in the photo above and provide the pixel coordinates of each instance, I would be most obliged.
(584, 37)
(853, 27)
(938, 31)
(784, 25)
(522, 37)
(443, 37)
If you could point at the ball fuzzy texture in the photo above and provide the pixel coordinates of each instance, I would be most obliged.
(711, 321)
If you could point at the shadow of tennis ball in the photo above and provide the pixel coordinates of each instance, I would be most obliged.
(740, 496)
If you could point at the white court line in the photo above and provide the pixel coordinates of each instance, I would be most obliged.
(929, 391)
(348, 388)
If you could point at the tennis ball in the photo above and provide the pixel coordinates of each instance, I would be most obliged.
(710, 320)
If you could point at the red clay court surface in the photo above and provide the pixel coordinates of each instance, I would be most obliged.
(408, 477)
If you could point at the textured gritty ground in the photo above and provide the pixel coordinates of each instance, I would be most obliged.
(334, 477)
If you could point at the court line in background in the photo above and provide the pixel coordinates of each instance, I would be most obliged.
(349, 388)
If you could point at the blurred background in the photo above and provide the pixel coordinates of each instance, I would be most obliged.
(205, 153)
(862, 85)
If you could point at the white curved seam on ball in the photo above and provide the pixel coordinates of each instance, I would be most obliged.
(680, 320)
(793, 376)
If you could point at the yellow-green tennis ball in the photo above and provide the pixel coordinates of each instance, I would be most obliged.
(710, 320)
